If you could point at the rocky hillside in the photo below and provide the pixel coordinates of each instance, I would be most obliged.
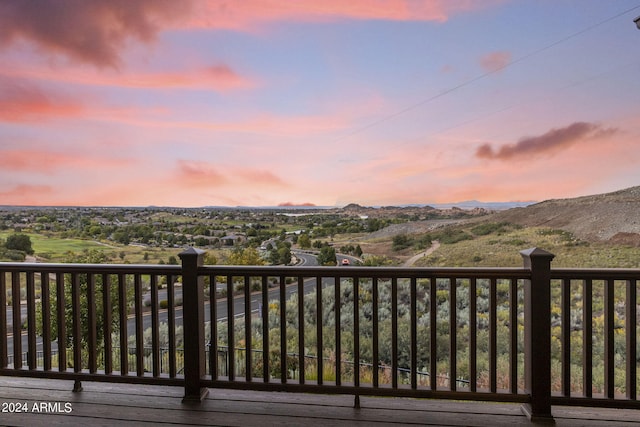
(417, 212)
(611, 217)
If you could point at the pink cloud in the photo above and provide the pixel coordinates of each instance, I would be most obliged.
(244, 15)
(204, 174)
(25, 194)
(21, 102)
(46, 161)
(262, 124)
(495, 61)
(200, 174)
(219, 77)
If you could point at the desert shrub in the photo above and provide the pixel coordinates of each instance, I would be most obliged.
(517, 242)
(451, 236)
(401, 241)
(15, 255)
(490, 228)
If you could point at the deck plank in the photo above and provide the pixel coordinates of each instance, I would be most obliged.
(104, 404)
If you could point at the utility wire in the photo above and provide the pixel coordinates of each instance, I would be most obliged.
(537, 99)
(482, 76)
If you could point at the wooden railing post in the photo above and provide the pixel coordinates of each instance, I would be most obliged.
(537, 334)
(193, 324)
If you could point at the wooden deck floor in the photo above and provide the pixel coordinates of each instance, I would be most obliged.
(101, 404)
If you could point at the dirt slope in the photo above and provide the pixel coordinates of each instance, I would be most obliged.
(611, 216)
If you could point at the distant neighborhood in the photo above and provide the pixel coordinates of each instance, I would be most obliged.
(600, 230)
(263, 230)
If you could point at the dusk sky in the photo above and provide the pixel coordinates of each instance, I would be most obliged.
(323, 102)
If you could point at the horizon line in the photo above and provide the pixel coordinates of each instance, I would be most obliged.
(467, 203)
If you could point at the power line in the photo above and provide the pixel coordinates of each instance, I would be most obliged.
(482, 76)
(556, 91)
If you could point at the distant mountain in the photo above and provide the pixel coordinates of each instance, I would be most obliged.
(611, 216)
(491, 206)
(467, 204)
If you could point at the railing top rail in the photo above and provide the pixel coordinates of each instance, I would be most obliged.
(366, 272)
(596, 273)
(90, 268)
(312, 271)
(274, 271)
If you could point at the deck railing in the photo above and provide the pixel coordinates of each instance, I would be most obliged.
(534, 335)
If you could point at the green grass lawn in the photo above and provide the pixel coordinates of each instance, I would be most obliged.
(54, 246)
(56, 249)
